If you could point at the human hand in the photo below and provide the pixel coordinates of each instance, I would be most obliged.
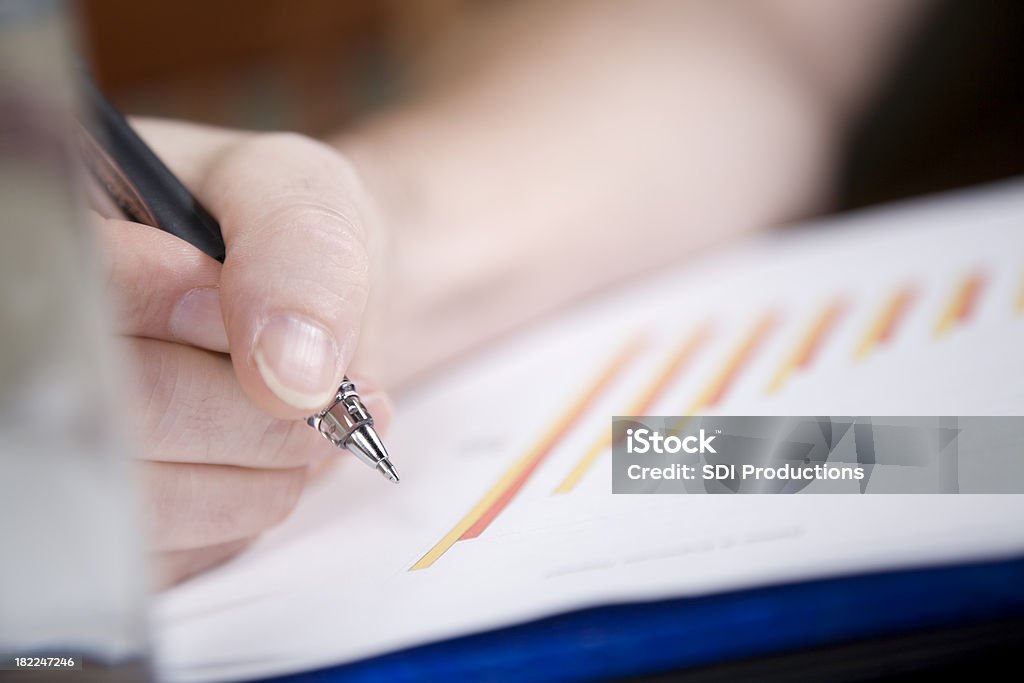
(548, 151)
(224, 447)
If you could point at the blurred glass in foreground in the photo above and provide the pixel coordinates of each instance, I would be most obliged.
(72, 579)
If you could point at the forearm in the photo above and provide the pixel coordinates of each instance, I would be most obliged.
(840, 47)
(573, 145)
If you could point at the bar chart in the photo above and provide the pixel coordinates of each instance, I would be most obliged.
(883, 324)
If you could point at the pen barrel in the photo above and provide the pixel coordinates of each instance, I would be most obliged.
(141, 185)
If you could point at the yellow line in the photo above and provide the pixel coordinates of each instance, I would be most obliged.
(958, 304)
(806, 344)
(595, 451)
(639, 405)
(783, 373)
(949, 316)
(554, 433)
(713, 391)
(882, 324)
(1020, 297)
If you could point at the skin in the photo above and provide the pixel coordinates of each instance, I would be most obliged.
(224, 456)
(627, 136)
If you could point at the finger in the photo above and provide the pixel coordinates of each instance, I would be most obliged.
(378, 404)
(163, 287)
(187, 148)
(194, 506)
(193, 411)
(296, 277)
(177, 565)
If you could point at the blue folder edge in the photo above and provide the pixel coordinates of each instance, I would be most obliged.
(650, 637)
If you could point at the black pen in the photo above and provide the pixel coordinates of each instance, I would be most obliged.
(147, 192)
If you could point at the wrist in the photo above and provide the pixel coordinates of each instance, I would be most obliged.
(520, 192)
(837, 48)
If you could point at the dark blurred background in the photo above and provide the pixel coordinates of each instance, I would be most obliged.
(951, 114)
(304, 65)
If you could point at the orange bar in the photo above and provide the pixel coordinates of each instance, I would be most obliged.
(809, 344)
(671, 370)
(546, 446)
(1020, 297)
(716, 390)
(884, 326)
(962, 304)
(488, 507)
(662, 380)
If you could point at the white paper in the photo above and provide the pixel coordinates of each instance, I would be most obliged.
(334, 583)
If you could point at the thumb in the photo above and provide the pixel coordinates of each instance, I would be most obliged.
(296, 277)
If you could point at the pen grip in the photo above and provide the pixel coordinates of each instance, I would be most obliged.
(143, 188)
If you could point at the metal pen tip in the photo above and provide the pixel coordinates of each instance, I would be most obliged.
(366, 445)
(346, 424)
(388, 470)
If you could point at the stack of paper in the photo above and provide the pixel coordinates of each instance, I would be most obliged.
(505, 511)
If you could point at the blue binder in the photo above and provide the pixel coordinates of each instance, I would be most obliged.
(645, 638)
